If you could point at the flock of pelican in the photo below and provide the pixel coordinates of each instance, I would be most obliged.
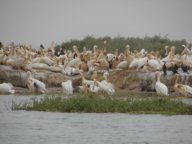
(73, 62)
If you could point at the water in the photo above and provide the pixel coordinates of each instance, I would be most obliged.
(21, 127)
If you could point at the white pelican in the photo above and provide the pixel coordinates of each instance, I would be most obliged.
(94, 88)
(155, 64)
(42, 66)
(74, 62)
(6, 88)
(123, 64)
(105, 85)
(182, 89)
(69, 70)
(43, 59)
(170, 55)
(138, 62)
(105, 88)
(35, 85)
(67, 87)
(186, 58)
(85, 81)
(160, 88)
(103, 64)
(106, 81)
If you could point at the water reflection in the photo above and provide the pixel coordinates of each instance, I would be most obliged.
(21, 127)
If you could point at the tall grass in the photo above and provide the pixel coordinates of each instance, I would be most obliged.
(98, 104)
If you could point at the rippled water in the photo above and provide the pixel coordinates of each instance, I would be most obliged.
(21, 127)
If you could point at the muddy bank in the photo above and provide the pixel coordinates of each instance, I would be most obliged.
(18, 77)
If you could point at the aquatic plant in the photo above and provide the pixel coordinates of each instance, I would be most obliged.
(104, 104)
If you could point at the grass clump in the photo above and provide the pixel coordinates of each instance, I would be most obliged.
(98, 104)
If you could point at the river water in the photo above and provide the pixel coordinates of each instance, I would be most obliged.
(22, 127)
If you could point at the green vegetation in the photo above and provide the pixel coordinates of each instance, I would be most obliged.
(156, 43)
(104, 104)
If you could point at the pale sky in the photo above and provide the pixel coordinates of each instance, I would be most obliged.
(41, 21)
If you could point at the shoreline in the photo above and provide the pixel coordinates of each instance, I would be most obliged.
(122, 94)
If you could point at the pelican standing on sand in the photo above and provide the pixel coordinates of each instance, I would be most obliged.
(35, 85)
(67, 87)
(160, 88)
(6, 88)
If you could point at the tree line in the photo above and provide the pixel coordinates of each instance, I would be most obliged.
(155, 43)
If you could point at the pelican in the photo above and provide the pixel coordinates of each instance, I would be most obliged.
(138, 62)
(123, 64)
(69, 70)
(43, 59)
(160, 88)
(105, 88)
(6, 88)
(105, 85)
(35, 85)
(94, 88)
(103, 64)
(40, 66)
(155, 64)
(85, 81)
(74, 63)
(106, 81)
(67, 87)
(186, 57)
(182, 89)
(89, 85)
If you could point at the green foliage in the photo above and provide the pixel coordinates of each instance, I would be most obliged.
(101, 104)
(156, 43)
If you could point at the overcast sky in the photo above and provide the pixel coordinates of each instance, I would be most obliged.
(41, 21)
